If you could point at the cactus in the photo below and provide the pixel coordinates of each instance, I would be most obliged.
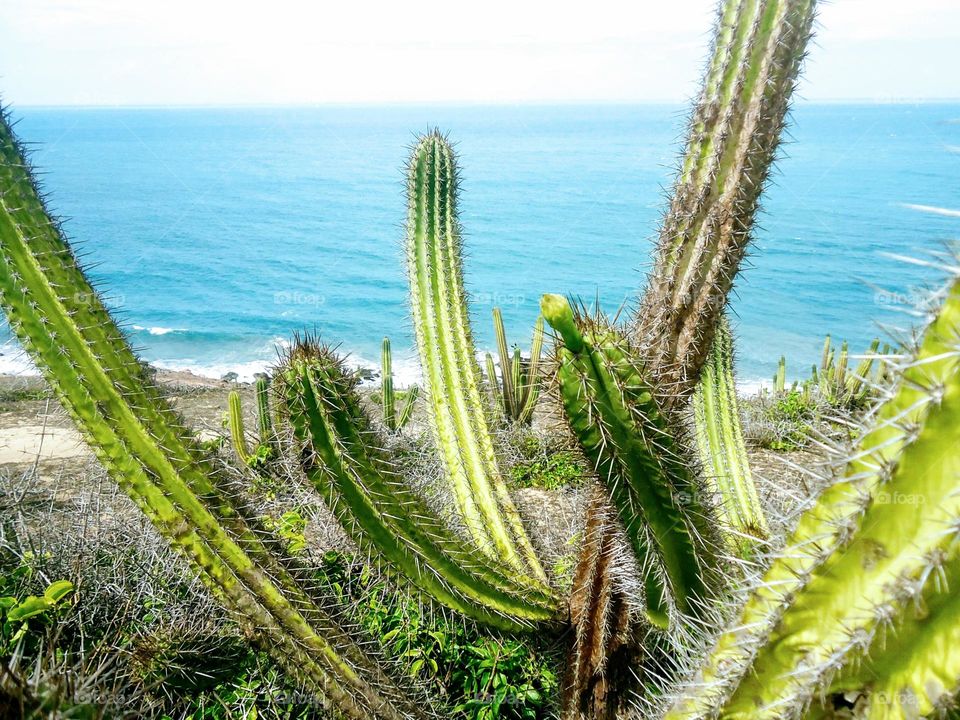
(266, 450)
(143, 444)
(875, 539)
(621, 428)
(733, 138)
(518, 388)
(456, 411)
(603, 647)
(780, 377)
(391, 419)
(723, 453)
(341, 460)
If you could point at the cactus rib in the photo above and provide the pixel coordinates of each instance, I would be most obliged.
(723, 453)
(439, 309)
(340, 459)
(64, 325)
(855, 554)
(733, 137)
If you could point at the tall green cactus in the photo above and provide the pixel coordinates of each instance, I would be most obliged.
(723, 453)
(388, 396)
(518, 388)
(733, 137)
(342, 461)
(238, 428)
(621, 428)
(875, 540)
(140, 440)
(438, 304)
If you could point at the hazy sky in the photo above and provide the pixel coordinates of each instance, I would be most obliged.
(133, 52)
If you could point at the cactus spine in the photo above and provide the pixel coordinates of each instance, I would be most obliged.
(733, 137)
(391, 419)
(519, 388)
(612, 411)
(723, 453)
(342, 462)
(880, 535)
(63, 324)
(439, 308)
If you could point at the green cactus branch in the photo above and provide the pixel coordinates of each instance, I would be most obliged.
(63, 324)
(238, 428)
(869, 543)
(439, 307)
(622, 430)
(518, 388)
(734, 132)
(388, 396)
(723, 453)
(340, 458)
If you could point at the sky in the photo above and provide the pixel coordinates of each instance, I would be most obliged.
(214, 52)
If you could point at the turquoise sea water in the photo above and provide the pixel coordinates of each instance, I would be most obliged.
(218, 232)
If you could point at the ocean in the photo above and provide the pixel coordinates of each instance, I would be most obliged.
(216, 233)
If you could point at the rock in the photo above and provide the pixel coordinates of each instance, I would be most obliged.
(229, 377)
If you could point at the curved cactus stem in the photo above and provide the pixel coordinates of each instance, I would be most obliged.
(858, 554)
(723, 453)
(733, 137)
(387, 397)
(620, 427)
(439, 307)
(412, 394)
(340, 459)
(142, 443)
(238, 431)
(510, 388)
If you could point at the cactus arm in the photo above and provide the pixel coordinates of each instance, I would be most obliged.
(439, 309)
(62, 322)
(380, 512)
(238, 432)
(494, 383)
(510, 387)
(412, 394)
(387, 397)
(734, 133)
(264, 417)
(722, 449)
(851, 552)
(622, 431)
(532, 385)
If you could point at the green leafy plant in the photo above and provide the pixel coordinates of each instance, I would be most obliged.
(16, 615)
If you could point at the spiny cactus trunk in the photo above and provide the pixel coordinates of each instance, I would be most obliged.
(439, 306)
(734, 132)
(612, 411)
(138, 438)
(339, 455)
(598, 663)
(723, 453)
(857, 559)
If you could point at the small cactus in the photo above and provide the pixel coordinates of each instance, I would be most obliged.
(517, 387)
(388, 400)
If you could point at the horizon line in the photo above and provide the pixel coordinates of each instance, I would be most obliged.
(453, 103)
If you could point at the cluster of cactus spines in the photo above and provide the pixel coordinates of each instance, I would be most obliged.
(341, 459)
(734, 133)
(388, 396)
(723, 453)
(875, 541)
(140, 440)
(438, 303)
(633, 447)
(600, 613)
(518, 388)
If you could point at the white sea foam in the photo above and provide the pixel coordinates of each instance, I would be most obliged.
(933, 210)
(157, 330)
